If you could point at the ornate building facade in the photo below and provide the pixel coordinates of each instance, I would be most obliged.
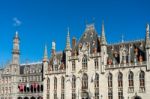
(93, 69)
(21, 81)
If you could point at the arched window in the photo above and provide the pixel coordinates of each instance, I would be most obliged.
(55, 83)
(120, 85)
(96, 84)
(84, 62)
(142, 81)
(73, 82)
(73, 65)
(73, 87)
(96, 63)
(48, 84)
(41, 88)
(110, 86)
(110, 80)
(131, 81)
(62, 83)
(85, 81)
(120, 78)
(55, 88)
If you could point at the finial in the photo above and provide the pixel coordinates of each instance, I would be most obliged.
(53, 45)
(103, 38)
(45, 52)
(147, 27)
(147, 32)
(16, 34)
(68, 40)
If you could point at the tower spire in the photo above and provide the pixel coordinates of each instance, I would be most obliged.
(45, 54)
(147, 32)
(103, 38)
(147, 36)
(53, 48)
(16, 34)
(16, 50)
(68, 41)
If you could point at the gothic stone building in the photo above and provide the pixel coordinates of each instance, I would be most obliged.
(21, 81)
(93, 69)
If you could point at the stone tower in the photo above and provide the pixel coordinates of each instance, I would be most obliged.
(68, 52)
(15, 66)
(16, 54)
(147, 47)
(103, 43)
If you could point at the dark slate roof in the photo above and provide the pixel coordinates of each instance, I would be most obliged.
(113, 50)
(89, 38)
(35, 66)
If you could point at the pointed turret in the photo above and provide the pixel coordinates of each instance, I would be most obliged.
(147, 36)
(16, 50)
(53, 48)
(147, 32)
(103, 49)
(68, 41)
(147, 47)
(16, 55)
(45, 54)
(103, 38)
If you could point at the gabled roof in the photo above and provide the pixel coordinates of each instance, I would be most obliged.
(89, 38)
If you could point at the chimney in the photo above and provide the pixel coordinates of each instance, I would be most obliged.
(73, 42)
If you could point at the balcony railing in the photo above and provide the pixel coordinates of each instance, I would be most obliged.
(127, 65)
(56, 71)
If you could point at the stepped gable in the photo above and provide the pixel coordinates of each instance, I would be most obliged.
(133, 48)
(89, 40)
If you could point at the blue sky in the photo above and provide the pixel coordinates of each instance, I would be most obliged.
(44, 21)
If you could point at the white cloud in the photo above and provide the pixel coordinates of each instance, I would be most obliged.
(17, 22)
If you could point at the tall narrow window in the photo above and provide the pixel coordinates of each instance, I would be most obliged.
(131, 82)
(120, 86)
(142, 81)
(62, 87)
(55, 83)
(120, 82)
(73, 82)
(85, 81)
(48, 84)
(96, 63)
(48, 87)
(84, 62)
(55, 88)
(73, 95)
(62, 83)
(120, 94)
(110, 91)
(73, 87)
(47, 96)
(96, 83)
(73, 65)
